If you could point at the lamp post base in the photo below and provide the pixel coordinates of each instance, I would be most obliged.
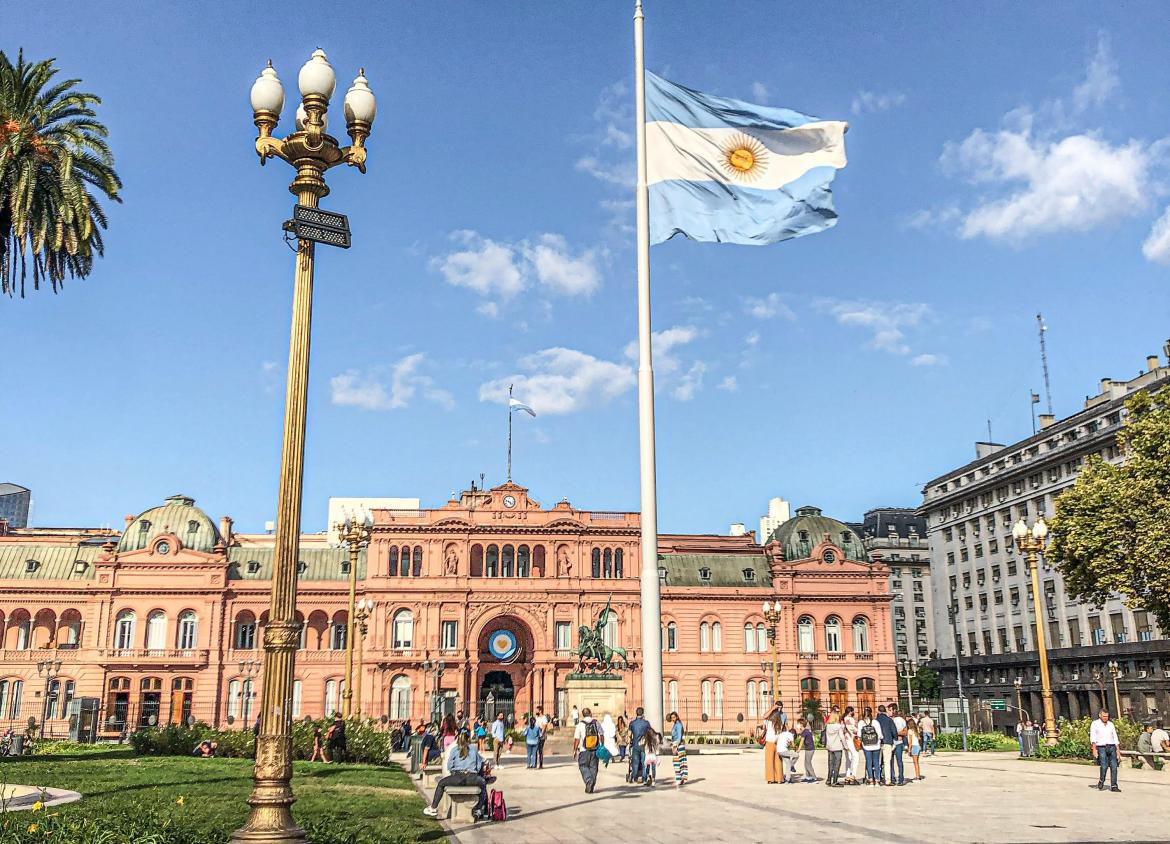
(271, 820)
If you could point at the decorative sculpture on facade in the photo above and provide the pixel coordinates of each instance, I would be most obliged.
(594, 656)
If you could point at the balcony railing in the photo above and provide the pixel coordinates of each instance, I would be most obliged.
(863, 656)
(188, 656)
(809, 655)
(834, 656)
(39, 654)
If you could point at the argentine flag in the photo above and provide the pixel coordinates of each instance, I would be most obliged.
(517, 405)
(727, 171)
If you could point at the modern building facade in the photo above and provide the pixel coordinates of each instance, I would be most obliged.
(983, 604)
(477, 604)
(14, 505)
(898, 534)
(779, 511)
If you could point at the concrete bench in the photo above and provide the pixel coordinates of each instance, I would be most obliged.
(458, 802)
(1162, 755)
(431, 775)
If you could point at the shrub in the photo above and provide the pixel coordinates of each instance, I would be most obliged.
(1074, 739)
(365, 742)
(975, 741)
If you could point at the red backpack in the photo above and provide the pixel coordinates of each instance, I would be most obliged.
(497, 808)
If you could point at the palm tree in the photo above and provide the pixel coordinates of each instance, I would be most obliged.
(53, 160)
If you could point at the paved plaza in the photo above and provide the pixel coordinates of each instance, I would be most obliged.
(970, 798)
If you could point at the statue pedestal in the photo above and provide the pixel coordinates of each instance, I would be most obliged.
(600, 694)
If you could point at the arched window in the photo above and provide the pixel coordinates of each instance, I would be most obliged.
(810, 688)
(69, 631)
(761, 638)
(296, 699)
(617, 563)
(718, 698)
(245, 631)
(607, 563)
(804, 635)
(865, 693)
(523, 561)
(749, 638)
(338, 632)
(124, 630)
(477, 560)
(392, 570)
(765, 703)
(753, 709)
(400, 698)
(705, 698)
(332, 693)
(833, 635)
(403, 629)
(404, 561)
(838, 692)
(248, 696)
(234, 699)
(506, 561)
(705, 637)
(670, 640)
(418, 555)
(492, 567)
(188, 631)
(538, 560)
(302, 637)
(595, 559)
(861, 635)
(672, 695)
(609, 633)
(717, 637)
(156, 631)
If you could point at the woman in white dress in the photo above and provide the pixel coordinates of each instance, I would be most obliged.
(609, 736)
(853, 762)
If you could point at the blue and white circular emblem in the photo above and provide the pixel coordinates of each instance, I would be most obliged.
(502, 644)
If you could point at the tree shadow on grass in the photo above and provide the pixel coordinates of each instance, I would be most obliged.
(70, 757)
(140, 786)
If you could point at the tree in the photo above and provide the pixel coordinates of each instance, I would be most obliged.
(1111, 532)
(926, 683)
(54, 161)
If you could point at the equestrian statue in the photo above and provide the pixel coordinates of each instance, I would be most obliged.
(593, 655)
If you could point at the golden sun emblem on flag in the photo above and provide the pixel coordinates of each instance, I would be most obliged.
(744, 157)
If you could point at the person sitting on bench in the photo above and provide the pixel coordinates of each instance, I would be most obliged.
(464, 763)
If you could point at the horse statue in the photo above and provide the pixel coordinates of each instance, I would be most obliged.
(593, 655)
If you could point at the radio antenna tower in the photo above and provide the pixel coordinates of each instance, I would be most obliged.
(1044, 361)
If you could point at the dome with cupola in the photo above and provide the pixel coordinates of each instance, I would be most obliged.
(179, 516)
(807, 529)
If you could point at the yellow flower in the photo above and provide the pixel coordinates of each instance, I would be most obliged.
(36, 807)
(181, 800)
(32, 827)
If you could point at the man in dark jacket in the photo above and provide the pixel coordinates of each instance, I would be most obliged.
(638, 728)
(889, 735)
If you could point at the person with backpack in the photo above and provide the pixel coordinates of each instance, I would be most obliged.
(871, 746)
(464, 763)
(586, 741)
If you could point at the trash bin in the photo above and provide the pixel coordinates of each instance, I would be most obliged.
(415, 753)
(17, 745)
(1029, 741)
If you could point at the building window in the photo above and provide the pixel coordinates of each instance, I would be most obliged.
(706, 698)
(233, 699)
(564, 636)
(449, 635)
(338, 632)
(523, 564)
(833, 635)
(124, 630)
(400, 698)
(403, 628)
(506, 561)
(716, 637)
(618, 571)
(595, 560)
(672, 695)
(671, 637)
(609, 633)
(705, 574)
(607, 564)
(296, 699)
(749, 638)
(761, 638)
(752, 701)
(332, 693)
(188, 631)
(749, 575)
(418, 559)
(718, 698)
(705, 637)
(804, 635)
(392, 569)
(156, 631)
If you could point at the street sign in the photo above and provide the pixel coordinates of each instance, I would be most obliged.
(997, 704)
(319, 226)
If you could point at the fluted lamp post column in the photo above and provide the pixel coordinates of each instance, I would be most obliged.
(311, 152)
(1114, 671)
(356, 535)
(361, 612)
(772, 619)
(1031, 541)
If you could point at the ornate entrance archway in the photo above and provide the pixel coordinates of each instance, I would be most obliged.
(497, 695)
(504, 658)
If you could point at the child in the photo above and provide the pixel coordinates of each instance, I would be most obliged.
(318, 746)
(650, 743)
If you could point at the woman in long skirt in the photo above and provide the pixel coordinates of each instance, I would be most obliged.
(679, 747)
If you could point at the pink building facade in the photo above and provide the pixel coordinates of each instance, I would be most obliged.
(476, 606)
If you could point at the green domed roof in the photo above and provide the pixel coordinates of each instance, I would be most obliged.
(807, 529)
(177, 515)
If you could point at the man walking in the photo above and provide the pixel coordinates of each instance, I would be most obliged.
(1103, 738)
(889, 734)
(542, 723)
(586, 740)
(499, 733)
(638, 728)
(926, 725)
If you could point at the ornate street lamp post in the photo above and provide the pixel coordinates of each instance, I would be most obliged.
(361, 612)
(356, 535)
(1114, 671)
(908, 670)
(772, 619)
(311, 151)
(47, 668)
(1030, 541)
(1019, 700)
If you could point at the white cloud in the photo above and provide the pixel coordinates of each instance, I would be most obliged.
(387, 387)
(770, 306)
(690, 382)
(928, 360)
(760, 92)
(730, 383)
(620, 173)
(752, 339)
(1101, 79)
(487, 267)
(928, 218)
(559, 380)
(886, 321)
(610, 157)
(491, 310)
(874, 101)
(1157, 246)
(557, 268)
(682, 379)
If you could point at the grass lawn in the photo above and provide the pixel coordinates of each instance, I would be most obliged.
(129, 798)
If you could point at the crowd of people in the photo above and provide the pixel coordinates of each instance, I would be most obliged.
(868, 750)
(600, 743)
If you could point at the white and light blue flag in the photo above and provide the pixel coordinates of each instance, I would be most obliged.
(517, 405)
(727, 171)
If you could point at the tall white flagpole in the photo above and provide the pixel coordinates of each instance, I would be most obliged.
(509, 433)
(651, 600)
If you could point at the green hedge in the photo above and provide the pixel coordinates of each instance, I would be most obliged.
(365, 741)
(975, 741)
(1074, 739)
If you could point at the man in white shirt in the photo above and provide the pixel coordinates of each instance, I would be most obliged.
(542, 723)
(926, 724)
(587, 738)
(1160, 739)
(899, 746)
(1103, 738)
(787, 755)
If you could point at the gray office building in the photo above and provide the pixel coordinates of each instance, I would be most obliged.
(899, 535)
(14, 503)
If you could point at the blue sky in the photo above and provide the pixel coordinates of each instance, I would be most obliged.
(1001, 163)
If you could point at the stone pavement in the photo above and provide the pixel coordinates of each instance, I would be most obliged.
(970, 798)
